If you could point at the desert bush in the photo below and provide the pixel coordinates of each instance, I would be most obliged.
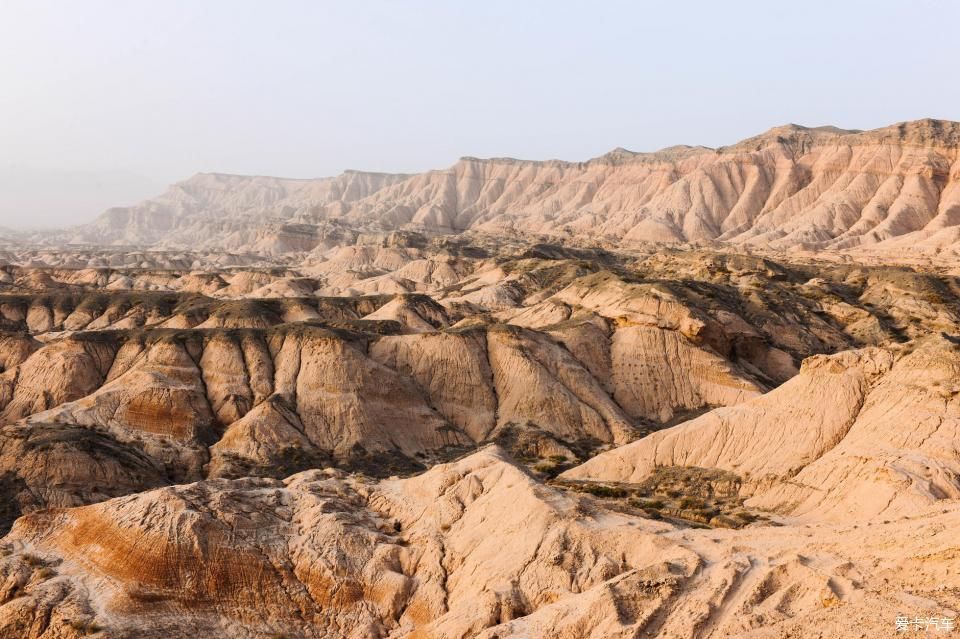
(648, 504)
(606, 492)
(691, 503)
(544, 467)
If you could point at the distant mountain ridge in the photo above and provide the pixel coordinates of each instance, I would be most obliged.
(788, 188)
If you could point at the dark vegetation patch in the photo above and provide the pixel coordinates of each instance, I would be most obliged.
(379, 465)
(686, 494)
(285, 462)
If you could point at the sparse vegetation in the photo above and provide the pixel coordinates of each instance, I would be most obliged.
(699, 496)
(32, 560)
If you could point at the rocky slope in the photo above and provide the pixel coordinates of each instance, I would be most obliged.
(884, 445)
(790, 187)
(893, 190)
(472, 548)
(474, 436)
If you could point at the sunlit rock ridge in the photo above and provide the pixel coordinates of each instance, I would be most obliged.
(792, 187)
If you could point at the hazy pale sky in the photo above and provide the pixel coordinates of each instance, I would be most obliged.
(130, 95)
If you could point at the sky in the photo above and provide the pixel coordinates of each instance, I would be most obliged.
(104, 102)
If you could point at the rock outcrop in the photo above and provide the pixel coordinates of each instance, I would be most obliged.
(472, 548)
(855, 436)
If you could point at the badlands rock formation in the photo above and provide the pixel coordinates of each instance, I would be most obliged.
(506, 400)
(890, 189)
(474, 437)
(473, 548)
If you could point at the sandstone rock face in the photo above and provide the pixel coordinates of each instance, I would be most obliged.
(15, 348)
(464, 392)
